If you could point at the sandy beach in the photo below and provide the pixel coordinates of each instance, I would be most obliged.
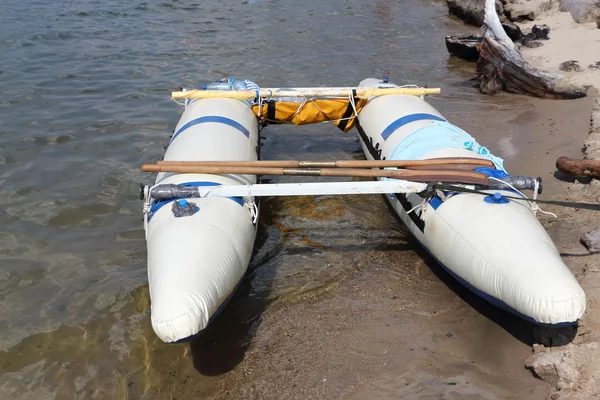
(566, 360)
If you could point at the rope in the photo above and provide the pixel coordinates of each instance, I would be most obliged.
(569, 204)
(180, 103)
(251, 204)
(534, 207)
(351, 98)
(300, 107)
(260, 103)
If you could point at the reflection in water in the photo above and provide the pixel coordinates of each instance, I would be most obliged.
(384, 10)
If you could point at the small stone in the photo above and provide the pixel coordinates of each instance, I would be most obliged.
(449, 334)
(525, 17)
(570, 66)
(591, 240)
(540, 32)
(532, 44)
(596, 65)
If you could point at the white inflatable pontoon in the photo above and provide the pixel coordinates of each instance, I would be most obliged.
(492, 245)
(199, 248)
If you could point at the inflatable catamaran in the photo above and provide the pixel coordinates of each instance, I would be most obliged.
(456, 198)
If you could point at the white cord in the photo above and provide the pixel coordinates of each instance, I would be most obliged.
(422, 207)
(252, 205)
(353, 105)
(414, 208)
(146, 209)
(533, 205)
(180, 103)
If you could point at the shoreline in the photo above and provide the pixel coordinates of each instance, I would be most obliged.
(568, 364)
(571, 368)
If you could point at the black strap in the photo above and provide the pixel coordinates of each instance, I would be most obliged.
(445, 186)
(348, 113)
(271, 111)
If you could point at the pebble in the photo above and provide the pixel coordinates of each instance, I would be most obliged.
(591, 240)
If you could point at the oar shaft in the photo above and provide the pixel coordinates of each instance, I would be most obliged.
(361, 93)
(459, 163)
(426, 176)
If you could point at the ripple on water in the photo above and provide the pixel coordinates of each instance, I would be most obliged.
(12, 245)
(110, 357)
(65, 213)
(131, 234)
(49, 140)
(74, 292)
(86, 215)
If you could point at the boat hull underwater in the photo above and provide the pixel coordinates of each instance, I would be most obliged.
(494, 246)
(198, 253)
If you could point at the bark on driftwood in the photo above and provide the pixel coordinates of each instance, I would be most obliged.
(466, 48)
(471, 11)
(501, 66)
(578, 168)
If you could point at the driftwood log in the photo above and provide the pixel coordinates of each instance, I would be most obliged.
(501, 66)
(471, 11)
(578, 168)
(466, 47)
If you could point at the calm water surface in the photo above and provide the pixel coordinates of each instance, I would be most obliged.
(84, 101)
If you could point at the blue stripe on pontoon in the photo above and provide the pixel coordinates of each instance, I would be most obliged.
(213, 118)
(407, 119)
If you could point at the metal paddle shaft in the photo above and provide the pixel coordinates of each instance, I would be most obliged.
(172, 191)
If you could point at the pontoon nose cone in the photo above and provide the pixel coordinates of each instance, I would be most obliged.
(170, 327)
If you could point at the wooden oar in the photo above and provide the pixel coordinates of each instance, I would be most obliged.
(361, 93)
(443, 163)
(470, 177)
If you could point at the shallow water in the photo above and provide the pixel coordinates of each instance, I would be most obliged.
(84, 100)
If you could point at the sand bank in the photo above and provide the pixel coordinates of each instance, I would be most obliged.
(568, 360)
